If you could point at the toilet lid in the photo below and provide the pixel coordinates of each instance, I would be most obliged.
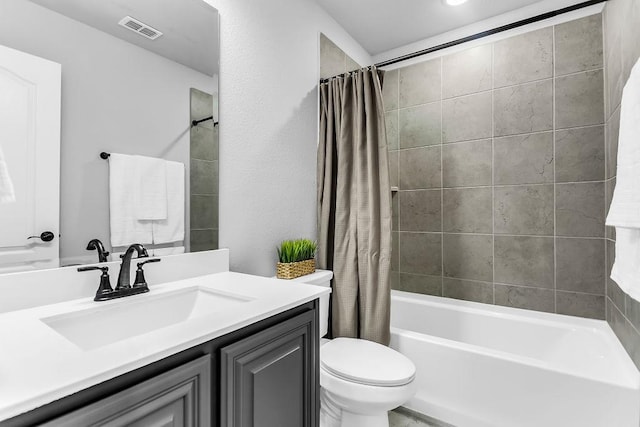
(366, 362)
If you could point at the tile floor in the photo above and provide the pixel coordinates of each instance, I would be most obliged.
(404, 418)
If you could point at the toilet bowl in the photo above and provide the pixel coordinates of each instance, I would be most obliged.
(360, 380)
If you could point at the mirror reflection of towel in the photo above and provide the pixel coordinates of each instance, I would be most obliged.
(7, 193)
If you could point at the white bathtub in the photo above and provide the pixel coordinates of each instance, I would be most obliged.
(485, 366)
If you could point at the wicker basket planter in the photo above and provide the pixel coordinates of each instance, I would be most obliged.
(291, 270)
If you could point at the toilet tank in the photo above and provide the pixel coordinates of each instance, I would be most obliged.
(320, 278)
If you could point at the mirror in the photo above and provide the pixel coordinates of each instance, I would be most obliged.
(134, 74)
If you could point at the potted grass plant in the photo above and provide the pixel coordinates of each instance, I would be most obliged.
(296, 258)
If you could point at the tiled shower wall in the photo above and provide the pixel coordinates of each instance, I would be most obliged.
(622, 50)
(203, 173)
(499, 155)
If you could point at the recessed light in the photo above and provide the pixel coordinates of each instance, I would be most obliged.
(454, 2)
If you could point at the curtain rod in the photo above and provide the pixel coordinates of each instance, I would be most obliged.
(482, 34)
(496, 30)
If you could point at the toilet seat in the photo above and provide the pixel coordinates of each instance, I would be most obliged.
(366, 362)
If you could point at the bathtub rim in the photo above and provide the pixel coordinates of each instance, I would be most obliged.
(601, 327)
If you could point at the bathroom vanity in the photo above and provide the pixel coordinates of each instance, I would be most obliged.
(223, 349)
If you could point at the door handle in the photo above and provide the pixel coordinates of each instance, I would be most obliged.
(45, 236)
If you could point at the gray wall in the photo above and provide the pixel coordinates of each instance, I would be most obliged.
(622, 50)
(498, 152)
(115, 97)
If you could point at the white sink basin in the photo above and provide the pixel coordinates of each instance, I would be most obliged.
(121, 319)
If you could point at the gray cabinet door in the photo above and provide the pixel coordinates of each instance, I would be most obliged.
(269, 379)
(180, 397)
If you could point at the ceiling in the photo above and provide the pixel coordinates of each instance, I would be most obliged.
(382, 25)
(189, 27)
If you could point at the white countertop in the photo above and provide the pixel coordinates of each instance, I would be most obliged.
(38, 365)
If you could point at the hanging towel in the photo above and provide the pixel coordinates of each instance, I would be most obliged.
(7, 193)
(125, 226)
(151, 192)
(173, 250)
(172, 229)
(624, 213)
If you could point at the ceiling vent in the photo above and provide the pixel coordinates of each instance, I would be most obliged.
(140, 28)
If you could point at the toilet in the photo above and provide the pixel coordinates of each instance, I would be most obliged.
(360, 380)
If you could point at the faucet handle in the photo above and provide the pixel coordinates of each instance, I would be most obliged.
(93, 267)
(105, 289)
(140, 281)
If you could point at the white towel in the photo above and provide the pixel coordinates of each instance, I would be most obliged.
(151, 193)
(125, 226)
(625, 206)
(7, 193)
(172, 229)
(173, 250)
(624, 213)
(626, 268)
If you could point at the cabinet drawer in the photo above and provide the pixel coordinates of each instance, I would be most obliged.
(180, 397)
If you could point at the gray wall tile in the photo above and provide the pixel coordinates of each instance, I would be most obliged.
(524, 210)
(333, 58)
(420, 168)
(579, 45)
(467, 72)
(524, 159)
(630, 38)
(204, 240)
(428, 285)
(204, 177)
(523, 109)
(351, 64)
(394, 172)
(524, 260)
(467, 290)
(579, 99)
(524, 297)
(204, 143)
(524, 58)
(421, 210)
(468, 210)
(420, 83)
(395, 251)
(614, 292)
(420, 126)
(580, 265)
(625, 332)
(204, 212)
(614, 18)
(390, 90)
(393, 132)
(580, 209)
(609, 186)
(467, 164)
(632, 311)
(395, 211)
(421, 253)
(468, 256)
(580, 154)
(467, 118)
(583, 305)
(611, 148)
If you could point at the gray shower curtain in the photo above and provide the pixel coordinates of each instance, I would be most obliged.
(354, 204)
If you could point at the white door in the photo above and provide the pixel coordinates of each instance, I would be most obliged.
(30, 141)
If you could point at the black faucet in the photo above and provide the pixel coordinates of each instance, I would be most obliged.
(123, 287)
(97, 245)
(125, 267)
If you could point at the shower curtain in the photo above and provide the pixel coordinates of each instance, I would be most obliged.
(354, 204)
